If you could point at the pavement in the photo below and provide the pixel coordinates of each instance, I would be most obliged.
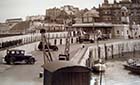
(3, 66)
(73, 51)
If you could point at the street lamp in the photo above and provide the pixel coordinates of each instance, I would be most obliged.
(131, 24)
(93, 27)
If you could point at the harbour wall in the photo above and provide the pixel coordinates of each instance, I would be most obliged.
(109, 50)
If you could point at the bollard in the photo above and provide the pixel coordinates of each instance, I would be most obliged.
(99, 55)
(105, 51)
(112, 51)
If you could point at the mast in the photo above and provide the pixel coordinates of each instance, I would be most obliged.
(46, 55)
(67, 45)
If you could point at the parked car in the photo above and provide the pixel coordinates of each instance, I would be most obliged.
(13, 56)
(85, 38)
(51, 47)
(63, 57)
(103, 37)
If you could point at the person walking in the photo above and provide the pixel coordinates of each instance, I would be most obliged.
(96, 82)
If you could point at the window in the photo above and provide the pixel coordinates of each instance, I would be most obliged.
(71, 40)
(55, 41)
(56, 35)
(60, 41)
(105, 12)
(127, 32)
(118, 32)
(123, 14)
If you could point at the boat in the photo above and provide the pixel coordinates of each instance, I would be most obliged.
(133, 66)
(99, 66)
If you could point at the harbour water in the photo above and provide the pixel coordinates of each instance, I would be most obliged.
(115, 73)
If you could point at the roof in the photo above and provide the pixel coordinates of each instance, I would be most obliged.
(92, 13)
(91, 25)
(15, 19)
(125, 0)
(4, 26)
(15, 50)
(124, 8)
(20, 27)
(56, 65)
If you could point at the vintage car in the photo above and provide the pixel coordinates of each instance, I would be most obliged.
(63, 57)
(15, 55)
(51, 47)
(85, 38)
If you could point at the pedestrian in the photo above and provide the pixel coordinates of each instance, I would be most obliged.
(83, 45)
(96, 82)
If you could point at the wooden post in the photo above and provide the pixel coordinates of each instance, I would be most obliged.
(105, 52)
(99, 56)
(122, 48)
(134, 51)
(112, 51)
(119, 51)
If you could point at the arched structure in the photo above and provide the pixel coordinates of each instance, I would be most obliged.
(66, 73)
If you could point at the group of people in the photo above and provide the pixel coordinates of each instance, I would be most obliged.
(10, 43)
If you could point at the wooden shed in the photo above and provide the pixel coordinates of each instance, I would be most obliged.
(66, 73)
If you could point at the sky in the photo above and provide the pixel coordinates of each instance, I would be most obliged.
(22, 8)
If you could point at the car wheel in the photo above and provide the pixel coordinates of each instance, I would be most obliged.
(12, 61)
(31, 61)
(26, 61)
(7, 62)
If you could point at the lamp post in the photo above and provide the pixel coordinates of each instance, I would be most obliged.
(98, 48)
(131, 24)
(93, 28)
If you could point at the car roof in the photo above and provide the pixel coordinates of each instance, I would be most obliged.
(53, 66)
(62, 55)
(15, 50)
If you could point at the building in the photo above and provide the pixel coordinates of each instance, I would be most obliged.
(35, 18)
(70, 9)
(88, 16)
(59, 15)
(14, 20)
(4, 28)
(20, 28)
(52, 14)
(125, 10)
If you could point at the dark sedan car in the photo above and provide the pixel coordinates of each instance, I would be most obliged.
(13, 56)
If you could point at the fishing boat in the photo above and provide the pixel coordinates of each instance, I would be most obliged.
(99, 66)
(133, 66)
